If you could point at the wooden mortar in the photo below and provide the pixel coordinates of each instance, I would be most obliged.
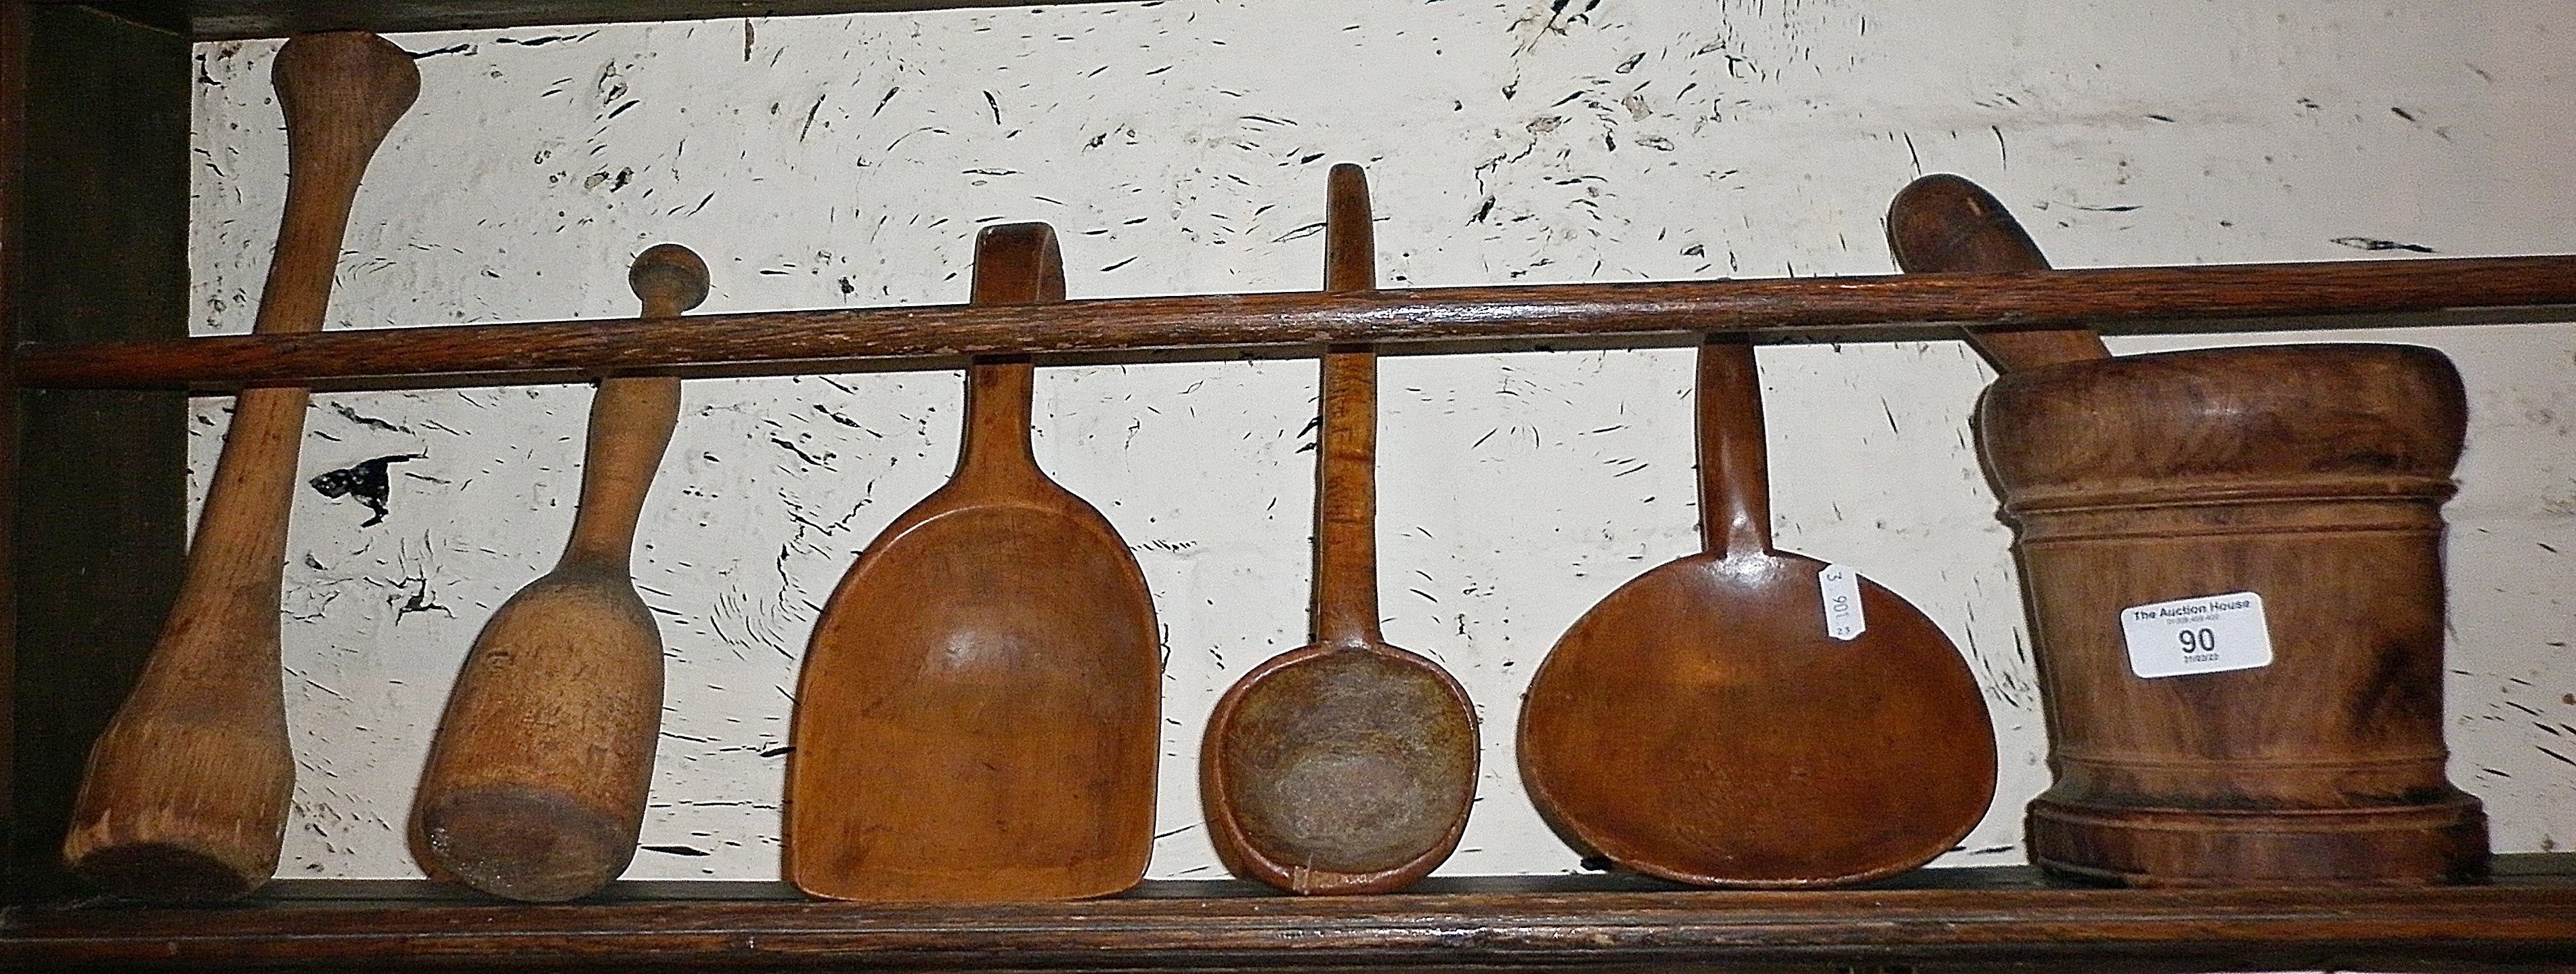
(2312, 475)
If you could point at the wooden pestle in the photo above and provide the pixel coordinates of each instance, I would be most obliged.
(1944, 223)
(186, 792)
(536, 781)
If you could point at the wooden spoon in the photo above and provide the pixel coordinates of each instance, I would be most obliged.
(1346, 766)
(536, 781)
(186, 792)
(1701, 725)
(979, 712)
(1944, 223)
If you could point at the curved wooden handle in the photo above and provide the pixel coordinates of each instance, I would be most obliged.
(1734, 467)
(186, 792)
(1015, 263)
(1944, 223)
(1345, 599)
(536, 783)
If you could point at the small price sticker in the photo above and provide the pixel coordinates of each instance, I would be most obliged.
(1843, 619)
(2208, 634)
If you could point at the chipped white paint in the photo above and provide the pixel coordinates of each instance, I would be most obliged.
(1181, 147)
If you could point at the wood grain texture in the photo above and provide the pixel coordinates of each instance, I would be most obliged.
(2311, 475)
(979, 709)
(229, 19)
(1700, 725)
(98, 496)
(1943, 223)
(1224, 326)
(1348, 765)
(536, 782)
(1985, 916)
(185, 794)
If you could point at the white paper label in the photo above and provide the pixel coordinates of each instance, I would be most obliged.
(2209, 634)
(1843, 618)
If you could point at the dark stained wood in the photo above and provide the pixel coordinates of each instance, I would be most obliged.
(1947, 916)
(97, 253)
(1700, 724)
(186, 791)
(1943, 223)
(536, 781)
(978, 716)
(1348, 765)
(1296, 323)
(229, 19)
(13, 126)
(2310, 475)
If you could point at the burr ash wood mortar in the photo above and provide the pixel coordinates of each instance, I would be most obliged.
(1701, 724)
(1347, 766)
(186, 792)
(978, 715)
(2311, 476)
(536, 781)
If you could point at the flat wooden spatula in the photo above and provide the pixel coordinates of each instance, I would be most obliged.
(978, 717)
(186, 792)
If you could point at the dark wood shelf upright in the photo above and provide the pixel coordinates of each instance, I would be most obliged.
(96, 242)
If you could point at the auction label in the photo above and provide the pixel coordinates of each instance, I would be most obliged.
(2209, 634)
(1843, 617)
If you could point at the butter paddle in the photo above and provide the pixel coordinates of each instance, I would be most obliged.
(978, 717)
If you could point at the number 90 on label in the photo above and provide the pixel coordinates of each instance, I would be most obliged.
(2202, 634)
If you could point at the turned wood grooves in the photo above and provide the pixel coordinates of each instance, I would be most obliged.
(1299, 324)
(2311, 475)
(186, 792)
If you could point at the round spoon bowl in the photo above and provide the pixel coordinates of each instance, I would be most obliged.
(1699, 725)
(1347, 760)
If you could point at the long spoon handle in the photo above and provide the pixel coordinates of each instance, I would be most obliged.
(186, 792)
(1944, 223)
(631, 420)
(1015, 263)
(1734, 469)
(1345, 606)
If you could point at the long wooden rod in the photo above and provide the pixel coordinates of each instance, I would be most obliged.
(792, 342)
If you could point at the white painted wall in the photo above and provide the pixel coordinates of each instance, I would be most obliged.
(1180, 148)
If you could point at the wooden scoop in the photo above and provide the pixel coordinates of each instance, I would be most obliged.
(979, 712)
(186, 792)
(1346, 766)
(1701, 725)
(536, 781)
(1944, 223)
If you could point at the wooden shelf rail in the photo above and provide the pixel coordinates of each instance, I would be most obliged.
(1931, 917)
(1887, 307)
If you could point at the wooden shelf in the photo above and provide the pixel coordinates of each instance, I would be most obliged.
(215, 20)
(93, 198)
(1931, 917)
(1301, 323)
